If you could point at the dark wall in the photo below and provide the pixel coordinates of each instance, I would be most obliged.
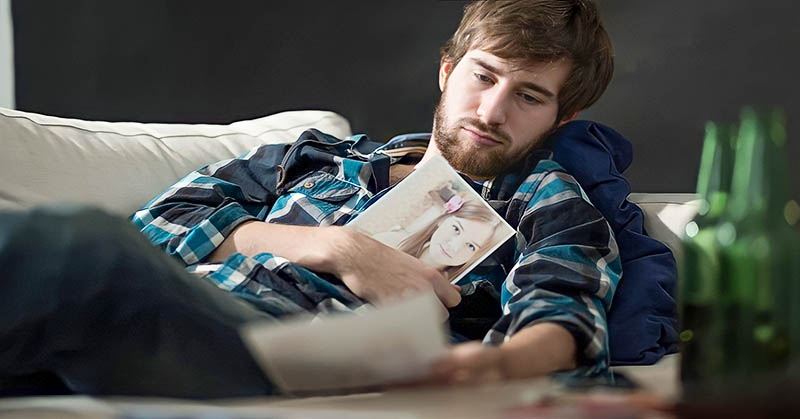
(212, 61)
(679, 64)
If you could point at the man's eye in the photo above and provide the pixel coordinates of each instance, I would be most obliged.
(471, 247)
(483, 78)
(529, 98)
(455, 228)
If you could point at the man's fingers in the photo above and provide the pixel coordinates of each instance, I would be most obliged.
(469, 352)
(446, 292)
(450, 371)
(442, 370)
(466, 363)
(403, 275)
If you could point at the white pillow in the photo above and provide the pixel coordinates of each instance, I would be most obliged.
(120, 166)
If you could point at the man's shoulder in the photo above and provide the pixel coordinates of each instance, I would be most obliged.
(540, 171)
(547, 165)
(548, 178)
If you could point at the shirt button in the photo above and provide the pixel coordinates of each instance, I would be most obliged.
(308, 185)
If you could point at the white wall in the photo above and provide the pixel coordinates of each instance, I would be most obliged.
(6, 56)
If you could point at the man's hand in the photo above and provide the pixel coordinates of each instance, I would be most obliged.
(533, 351)
(469, 363)
(370, 269)
(379, 273)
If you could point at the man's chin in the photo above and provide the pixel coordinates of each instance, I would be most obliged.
(475, 160)
(475, 169)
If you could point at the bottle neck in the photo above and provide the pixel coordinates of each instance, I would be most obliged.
(760, 187)
(716, 163)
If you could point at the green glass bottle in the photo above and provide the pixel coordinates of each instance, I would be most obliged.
(760, 255)
(701, 352)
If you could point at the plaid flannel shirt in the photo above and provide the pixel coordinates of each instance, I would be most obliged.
(562, 267)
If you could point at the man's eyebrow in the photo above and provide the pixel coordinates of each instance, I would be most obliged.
(529, 85)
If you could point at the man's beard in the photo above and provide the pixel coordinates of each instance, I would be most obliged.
(471, 159)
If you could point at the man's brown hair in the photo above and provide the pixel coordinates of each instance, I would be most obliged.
(539, 31)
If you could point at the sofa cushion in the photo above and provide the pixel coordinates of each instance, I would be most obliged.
(121, 165)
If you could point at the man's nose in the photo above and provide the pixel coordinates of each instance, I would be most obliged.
(492, 109)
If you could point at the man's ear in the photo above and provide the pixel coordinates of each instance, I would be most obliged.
(445, 68)
(569, 118)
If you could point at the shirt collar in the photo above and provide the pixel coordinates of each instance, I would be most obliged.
(421, 139)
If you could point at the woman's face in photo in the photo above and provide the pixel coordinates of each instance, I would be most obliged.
(458, 239)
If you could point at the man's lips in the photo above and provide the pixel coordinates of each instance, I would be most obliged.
(481, 137)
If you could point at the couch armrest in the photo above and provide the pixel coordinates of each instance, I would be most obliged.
(666, 215)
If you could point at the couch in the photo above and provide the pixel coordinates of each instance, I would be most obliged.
(119, 166)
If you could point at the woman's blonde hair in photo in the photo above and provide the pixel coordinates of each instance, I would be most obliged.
(454, 205)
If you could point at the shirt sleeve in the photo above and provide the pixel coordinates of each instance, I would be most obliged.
(192, 217)
(567, 268)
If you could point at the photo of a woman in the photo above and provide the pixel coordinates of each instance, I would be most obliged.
(455, 238)
(443, 221)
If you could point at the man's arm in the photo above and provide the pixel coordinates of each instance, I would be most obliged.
(370, 269)
(555, 351)
(211, 213)
(536, 350)
(556, 297)
(193, 216)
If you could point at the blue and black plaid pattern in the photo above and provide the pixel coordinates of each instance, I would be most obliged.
(563, 267)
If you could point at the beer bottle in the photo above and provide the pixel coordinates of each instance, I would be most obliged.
(760, 253)
(701, 350)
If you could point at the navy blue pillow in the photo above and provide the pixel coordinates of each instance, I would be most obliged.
(642, 321)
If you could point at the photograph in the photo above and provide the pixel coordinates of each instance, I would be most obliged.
(434, 215)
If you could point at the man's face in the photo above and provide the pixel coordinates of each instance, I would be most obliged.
(491, 115)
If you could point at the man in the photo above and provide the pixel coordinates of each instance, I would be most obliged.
(502, 94)
(266, 228)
